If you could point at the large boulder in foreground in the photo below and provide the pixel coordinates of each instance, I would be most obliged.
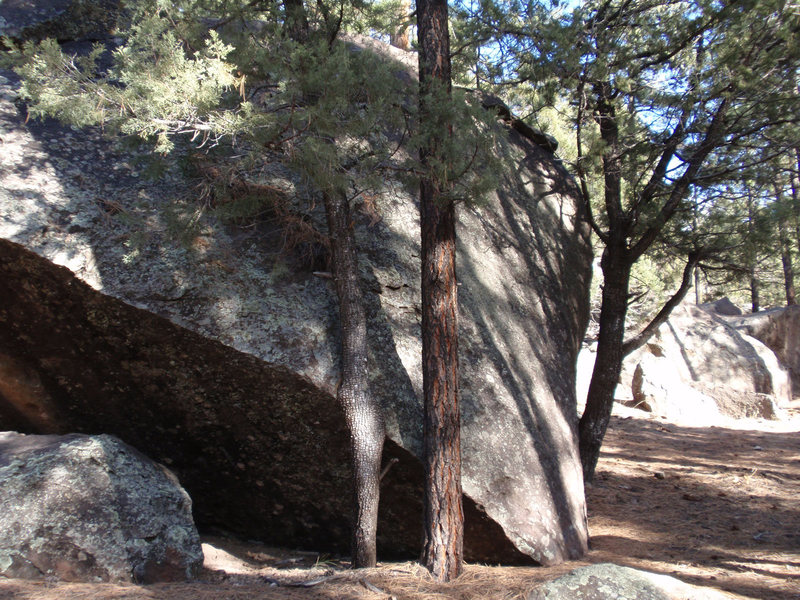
(81, 508)
(607, 581)
(219, 357)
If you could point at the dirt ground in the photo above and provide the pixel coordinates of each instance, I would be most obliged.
(716, 507)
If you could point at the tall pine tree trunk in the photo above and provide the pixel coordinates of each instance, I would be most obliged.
(443, 518)
(786, 246)
(362, 412)
(608, 365)
(788, 268)
(795, 184)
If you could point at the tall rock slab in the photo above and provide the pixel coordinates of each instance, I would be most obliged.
(220, 356)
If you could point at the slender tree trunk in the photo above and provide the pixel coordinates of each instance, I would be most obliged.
(399, 37)
(795, 183)
(361, 410)
(443, 518)
(752, 251)
(616, 265)
(362, 413)
(608, 365)
(754, 290)
(788, 269)
(786, 247)
(698, 295)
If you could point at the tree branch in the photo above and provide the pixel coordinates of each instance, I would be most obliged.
(641, 339)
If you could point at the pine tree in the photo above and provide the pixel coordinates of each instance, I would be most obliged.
(665, 97)
(443, 517)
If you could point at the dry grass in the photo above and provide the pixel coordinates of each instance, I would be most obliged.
(717, 507)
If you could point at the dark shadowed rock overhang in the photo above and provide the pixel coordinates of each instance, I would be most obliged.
(262, 452)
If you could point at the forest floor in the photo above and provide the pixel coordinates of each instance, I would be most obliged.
(717, 507)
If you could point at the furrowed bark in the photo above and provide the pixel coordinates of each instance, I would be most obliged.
(362, 412)
(443, 517)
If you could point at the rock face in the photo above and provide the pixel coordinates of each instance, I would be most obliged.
(84, 508)
(606, 581)
(698, 356)
(221, 355)
(658, 388)
(779, 330)
(61, 19)
(724, 306)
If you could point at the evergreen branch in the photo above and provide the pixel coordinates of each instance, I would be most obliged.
(582, 178)
(713, 137)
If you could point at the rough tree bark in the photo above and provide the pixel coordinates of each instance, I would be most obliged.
(788, 268)
(611, 352)
(361, 410)
(786, 251)
(616, 264)
(755, 300)
(443, 517)
(795, 179)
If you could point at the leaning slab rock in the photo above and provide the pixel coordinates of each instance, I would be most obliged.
(608, 581)
(219, 357)
(81, 508)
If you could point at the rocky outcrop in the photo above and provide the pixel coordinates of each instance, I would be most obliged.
(698, 366)
(221, 354)
(606, 581)
(82, 508)
(723, 306)
(779, 330)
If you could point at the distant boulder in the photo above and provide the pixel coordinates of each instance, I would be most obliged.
(723, 306)
(658, 388)
(696, 356)
(779, 330)
(81, 508)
